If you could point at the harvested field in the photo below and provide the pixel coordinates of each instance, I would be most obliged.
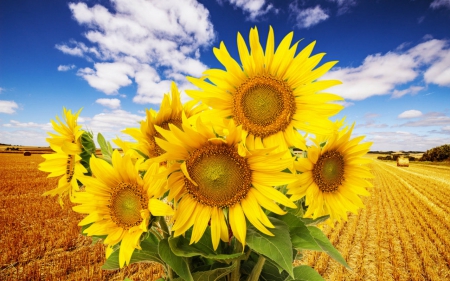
(41, 241)
(403, 234)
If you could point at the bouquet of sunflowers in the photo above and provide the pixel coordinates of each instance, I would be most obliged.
(223, 187)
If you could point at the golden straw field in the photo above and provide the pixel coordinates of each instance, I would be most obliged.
(402, 234)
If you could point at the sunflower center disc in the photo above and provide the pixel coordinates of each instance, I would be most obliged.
(328, 172)
(222, 175)
(264, 105)
(126, 203)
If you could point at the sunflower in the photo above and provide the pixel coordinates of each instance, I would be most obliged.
(65, 161)
(332, 177)
(170, 112)
(272, 94)
(214, 178)
(119, 203)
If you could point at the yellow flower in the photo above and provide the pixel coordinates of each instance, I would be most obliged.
(333, 176)
(272, 94)
(119, 202)
(216, 179)
(170, 112)
(65, 161)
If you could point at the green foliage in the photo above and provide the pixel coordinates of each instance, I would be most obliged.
(306, 273)
(88, 148)
(277, 248)
(439, 153)
(180, 246)
(179, 264)
(148, 253)
(105, 147)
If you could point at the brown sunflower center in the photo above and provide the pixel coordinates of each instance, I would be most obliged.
(126, 203)
(264, 105)
(328, 172)
(165, 125)
(222, 175)
(70, 167)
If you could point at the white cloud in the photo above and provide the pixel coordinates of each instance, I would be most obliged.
(18, 124)
(410, 114)
(138, 37)
(1, 90)
(439, 72)
(406, 141)
(436, 4)
(108, 77)
(111, 103)
(344, 6)
(413, 90)
(381, 74)
(254, 8)
(308, 17)
(8, 107)
(428, 120)
(66, 67)
(111, 123)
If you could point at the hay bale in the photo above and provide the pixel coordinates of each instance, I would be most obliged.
(27, 153)
(402, 162)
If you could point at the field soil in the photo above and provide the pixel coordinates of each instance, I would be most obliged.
(402, 234)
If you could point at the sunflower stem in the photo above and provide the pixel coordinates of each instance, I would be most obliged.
(164, 227)
(236, 273)
(254, 276)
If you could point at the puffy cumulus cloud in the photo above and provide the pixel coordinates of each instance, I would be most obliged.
(66, 67)
(111, 103)
(111, 123)
(108, 77)
(135, 38)
(436, 4)
(308, 17)
(8, 106)
(410, 114)
(380, 74)
(439, 72)
(254, 8)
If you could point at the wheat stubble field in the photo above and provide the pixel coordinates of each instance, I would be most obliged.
(402, 234)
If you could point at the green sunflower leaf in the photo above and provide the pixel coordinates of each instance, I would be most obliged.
(326, 245)
(180, 247)
(178, 264)
(270, 271)
(305, 273)
(105, 147)
(211, 275)
(277, 248)
(300, 236)
(88, 148)
(148, 253)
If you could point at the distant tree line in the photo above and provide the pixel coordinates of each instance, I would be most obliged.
(439, 153)
(12, 148)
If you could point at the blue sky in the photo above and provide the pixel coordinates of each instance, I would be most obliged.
(116, 58)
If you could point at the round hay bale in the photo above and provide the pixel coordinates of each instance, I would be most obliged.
(402, 162)
(27, 153)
